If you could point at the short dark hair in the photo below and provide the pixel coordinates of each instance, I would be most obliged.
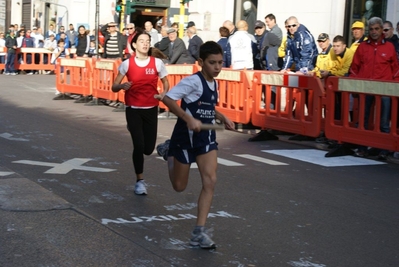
(339, 38)
(224, 32)
(389, 23)
(61, 40)
(209, 48)
(271, 17)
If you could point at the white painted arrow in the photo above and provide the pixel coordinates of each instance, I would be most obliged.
(8, 137)
(65, 167)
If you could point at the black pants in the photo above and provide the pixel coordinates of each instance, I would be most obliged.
(142, 125)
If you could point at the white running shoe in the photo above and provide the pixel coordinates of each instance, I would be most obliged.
(140, 188)
(202, 239)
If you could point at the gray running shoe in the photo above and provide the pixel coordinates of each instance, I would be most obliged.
(203, 240)
(163, 148)
(140, 188)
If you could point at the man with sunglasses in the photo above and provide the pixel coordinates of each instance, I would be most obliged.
(301, 47)
(131, 32)
(390, 36)
(376, 59)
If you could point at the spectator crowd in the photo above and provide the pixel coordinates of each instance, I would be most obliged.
(266, 47)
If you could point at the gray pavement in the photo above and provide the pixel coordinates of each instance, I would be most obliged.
(66, 196)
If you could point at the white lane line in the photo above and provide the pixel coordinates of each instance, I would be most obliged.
(9, 137)
(221, 161)
(6, 173)
(259, 159)
(317, 157)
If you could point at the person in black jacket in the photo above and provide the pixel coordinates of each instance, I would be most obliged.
(163, 45)
(82, 42)
(114, 43)
(11, 44)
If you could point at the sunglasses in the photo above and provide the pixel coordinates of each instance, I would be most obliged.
(320, 41)
(293, 26)
(130, 28)
(386, 29)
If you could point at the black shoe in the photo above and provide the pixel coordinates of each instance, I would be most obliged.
(263, 136)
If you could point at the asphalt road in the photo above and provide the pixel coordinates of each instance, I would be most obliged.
(66, 196)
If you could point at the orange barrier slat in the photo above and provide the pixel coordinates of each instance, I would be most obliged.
(74, 76)
(352, 130)
(298, 103)
(104, 73)
(235, 95)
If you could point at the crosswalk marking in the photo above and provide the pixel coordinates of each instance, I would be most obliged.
(221, 161)
(260, 159)
(317, 157)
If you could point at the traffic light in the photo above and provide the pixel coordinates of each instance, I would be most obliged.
(130, 8)
(118, 6)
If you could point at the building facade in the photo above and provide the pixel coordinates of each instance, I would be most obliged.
(330, 16)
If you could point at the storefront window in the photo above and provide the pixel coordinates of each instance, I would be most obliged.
(363, 10)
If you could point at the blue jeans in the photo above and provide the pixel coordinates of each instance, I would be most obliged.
(10, 67)
(385, 112)
(2, 59)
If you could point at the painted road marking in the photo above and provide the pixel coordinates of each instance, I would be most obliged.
(6, 173)
(9, 137)
(65, 167)
(221, 161)
(317, 157)
(260, 159)
(163, 218)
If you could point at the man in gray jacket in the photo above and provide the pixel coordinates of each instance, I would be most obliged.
(272, 41)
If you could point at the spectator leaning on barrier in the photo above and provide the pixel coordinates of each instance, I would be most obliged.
(194, 42)
(224, 35)
(142, 100)
(326, 56)
(82, 42)
(376, 59)
(131, 30)
(178, 53)
(11, 44)
(301, 47)
(358, 35)
(60, 52)
(50, 31)
(28, 41)
(390, 36)
(273, 41)
(114, 41)
(72, 34)
(50, 44)
(259, 54)
(240, 47)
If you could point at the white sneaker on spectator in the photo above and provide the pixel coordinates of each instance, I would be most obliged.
(13, 73)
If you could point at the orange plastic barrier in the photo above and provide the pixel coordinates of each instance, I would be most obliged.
(298, 103)
(352, 130)
(175, 74)
(74, 76)
(235, 96)
(3, 65)
(36, 57)
(104, 73)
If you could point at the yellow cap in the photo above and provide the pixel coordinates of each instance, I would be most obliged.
(358, 24)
